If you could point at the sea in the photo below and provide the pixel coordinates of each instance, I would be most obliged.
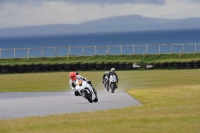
(141, 42)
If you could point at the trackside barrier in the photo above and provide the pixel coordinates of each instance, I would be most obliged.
(61, 51)
(28, 68)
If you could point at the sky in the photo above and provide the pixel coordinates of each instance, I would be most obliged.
(14, 13)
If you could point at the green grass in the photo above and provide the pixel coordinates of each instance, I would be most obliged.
(59, 81)
(170, 98)
(36, 82)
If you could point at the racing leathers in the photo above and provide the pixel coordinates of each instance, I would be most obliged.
(73, 85)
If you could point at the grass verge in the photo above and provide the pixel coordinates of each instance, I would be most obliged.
(170, 99)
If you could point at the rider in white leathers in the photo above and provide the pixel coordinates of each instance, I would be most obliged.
(72, 82)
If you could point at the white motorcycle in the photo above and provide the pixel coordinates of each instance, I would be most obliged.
(86, 91)
(113, 83)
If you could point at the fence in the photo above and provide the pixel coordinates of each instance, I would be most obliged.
(99, 50)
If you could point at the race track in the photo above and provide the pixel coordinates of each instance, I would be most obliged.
(24, 104)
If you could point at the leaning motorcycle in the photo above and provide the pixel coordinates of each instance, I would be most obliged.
(113, 83)
(85, 92)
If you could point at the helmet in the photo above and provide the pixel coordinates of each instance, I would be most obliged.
(113, 70)
(72, 76)
(106, 72)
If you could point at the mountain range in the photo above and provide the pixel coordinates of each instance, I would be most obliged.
(111, 24)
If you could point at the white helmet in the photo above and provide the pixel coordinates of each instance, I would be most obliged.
(112, 69)
(106, 72)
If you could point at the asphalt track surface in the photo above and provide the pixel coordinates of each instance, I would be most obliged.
(27, 104)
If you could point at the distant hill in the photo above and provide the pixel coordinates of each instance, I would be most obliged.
(111, 24)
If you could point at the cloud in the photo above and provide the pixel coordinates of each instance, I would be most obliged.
(117, 1)
(91, 1)
(42, 12)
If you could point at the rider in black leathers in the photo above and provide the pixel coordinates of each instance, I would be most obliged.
(112, 72)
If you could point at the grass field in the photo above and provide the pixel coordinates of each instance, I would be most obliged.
(170, 98)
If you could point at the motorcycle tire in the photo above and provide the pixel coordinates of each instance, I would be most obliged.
(112, 86)
(88, 96)
(107, 87)
(104, 85)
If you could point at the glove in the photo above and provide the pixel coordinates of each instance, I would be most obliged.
(88, 81)
(73, 85)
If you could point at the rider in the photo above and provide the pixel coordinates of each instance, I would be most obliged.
(112, 72)
(104, 76)
(72, 82)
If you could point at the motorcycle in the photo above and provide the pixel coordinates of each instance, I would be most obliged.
(113, 83)
(105, 83)
(85, 90)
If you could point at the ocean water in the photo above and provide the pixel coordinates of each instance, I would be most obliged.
(102, 43)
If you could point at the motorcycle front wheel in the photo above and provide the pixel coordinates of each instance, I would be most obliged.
(88, 96)
(107, 87)
(112, 86)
